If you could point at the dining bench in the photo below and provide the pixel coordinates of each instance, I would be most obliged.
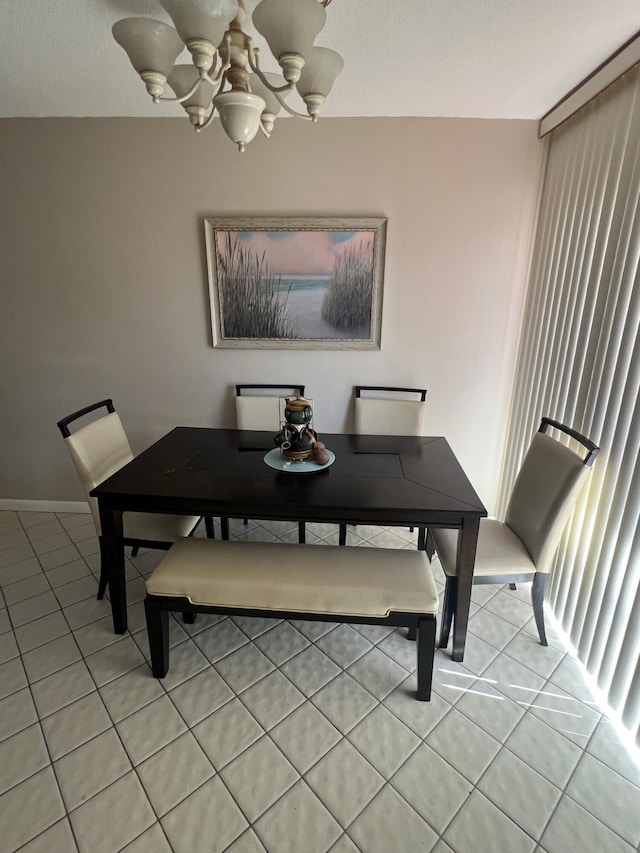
(372, 586)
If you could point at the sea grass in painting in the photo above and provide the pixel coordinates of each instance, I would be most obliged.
(251, 304)
(347, 304)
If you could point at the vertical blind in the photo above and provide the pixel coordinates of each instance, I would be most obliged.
(579, 363)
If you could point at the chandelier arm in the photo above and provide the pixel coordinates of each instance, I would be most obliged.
(292, 112)
(182, 98)
(207, 122)
(254, 63)
(226, 65)
(215, 81)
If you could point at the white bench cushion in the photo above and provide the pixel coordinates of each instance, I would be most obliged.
(322, 579)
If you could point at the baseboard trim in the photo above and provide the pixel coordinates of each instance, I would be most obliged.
(43, 506)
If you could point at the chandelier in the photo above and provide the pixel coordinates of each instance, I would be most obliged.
(225, 77)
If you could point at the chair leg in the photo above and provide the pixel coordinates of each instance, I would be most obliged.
(102, 583)
(224, 528)
(430, 546)
(537, 599)
(342, 536)
(512, 586)
(448, 609)
(208, 525)
(302, 533)
(189, 618)
(426, 652)
(134, 551)
(422, 538)
(412, 634)
(158, 633)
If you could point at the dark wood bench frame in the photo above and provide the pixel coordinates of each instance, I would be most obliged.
(157, 609)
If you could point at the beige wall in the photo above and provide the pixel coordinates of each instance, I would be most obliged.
(103, 274)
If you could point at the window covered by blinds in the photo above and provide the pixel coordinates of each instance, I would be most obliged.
(579, 363)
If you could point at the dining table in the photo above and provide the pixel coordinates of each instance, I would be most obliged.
(391, 481)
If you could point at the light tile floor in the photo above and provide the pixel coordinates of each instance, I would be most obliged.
(278, 736)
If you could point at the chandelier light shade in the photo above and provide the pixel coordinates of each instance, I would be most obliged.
(318, 75)
(289, 26)
(203, 21)
(151, 46)
(246, 98)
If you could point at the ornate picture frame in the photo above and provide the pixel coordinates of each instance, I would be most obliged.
(295, 282)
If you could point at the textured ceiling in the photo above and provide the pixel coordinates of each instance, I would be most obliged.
(473, 58)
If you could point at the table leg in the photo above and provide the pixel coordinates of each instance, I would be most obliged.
(112, 559)
(467, 542)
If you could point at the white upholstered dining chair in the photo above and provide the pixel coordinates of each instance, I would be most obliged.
(383, 410)
(389, 411)
(98, 450)
(258, 408)
(522, 547)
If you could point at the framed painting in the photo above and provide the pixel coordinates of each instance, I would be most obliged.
(295, 283)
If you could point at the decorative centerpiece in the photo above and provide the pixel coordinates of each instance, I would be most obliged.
(297, 439)
(298, 447)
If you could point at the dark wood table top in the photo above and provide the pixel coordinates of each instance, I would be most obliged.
(390, 480)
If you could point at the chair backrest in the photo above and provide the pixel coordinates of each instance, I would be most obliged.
(97, 450)
(545, 492)
(390, 414)
(257, 410)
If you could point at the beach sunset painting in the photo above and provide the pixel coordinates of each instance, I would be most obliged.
(296, 283)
